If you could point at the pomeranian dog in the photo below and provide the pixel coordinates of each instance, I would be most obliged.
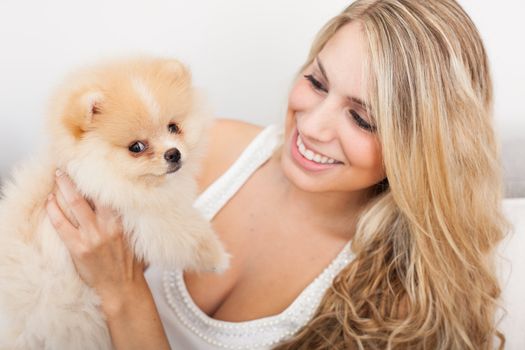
(129, 133)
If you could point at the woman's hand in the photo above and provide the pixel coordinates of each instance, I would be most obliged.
(94, 236)
(95, 240)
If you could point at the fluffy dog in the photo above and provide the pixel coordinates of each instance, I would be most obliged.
(129, 134)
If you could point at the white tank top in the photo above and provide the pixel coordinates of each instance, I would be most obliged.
(188, 327)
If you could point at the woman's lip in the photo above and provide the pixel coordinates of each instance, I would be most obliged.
(302, 161)
(313, 149)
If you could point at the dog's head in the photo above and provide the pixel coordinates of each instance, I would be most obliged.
(136, 119)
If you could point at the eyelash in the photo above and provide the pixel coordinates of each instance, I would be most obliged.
(316, 84)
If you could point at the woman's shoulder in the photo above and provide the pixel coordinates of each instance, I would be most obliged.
(226, 140)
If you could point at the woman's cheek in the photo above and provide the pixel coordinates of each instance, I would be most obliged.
(297, 102)
(375, 159)
(364, 152)
(301, 96)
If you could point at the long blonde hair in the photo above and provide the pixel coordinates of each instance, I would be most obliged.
(423, 275)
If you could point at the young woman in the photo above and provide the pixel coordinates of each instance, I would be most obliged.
(367, 223)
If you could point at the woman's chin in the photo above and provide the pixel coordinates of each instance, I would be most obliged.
(297, 177)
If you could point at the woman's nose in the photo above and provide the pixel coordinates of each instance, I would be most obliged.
(320, 122)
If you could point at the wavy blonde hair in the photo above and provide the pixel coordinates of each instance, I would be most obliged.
(423, 275)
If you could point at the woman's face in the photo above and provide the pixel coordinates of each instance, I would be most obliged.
(338, 147)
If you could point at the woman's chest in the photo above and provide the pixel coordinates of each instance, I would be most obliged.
(271, 261)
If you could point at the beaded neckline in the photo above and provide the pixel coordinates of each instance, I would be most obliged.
(258, 333)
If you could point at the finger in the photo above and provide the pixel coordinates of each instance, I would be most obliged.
(79, 206)
(105, 212)
(66, 231)
(141, 265)
(60, 200)
(108, 218)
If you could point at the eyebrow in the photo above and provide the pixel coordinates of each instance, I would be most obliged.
(351, 98)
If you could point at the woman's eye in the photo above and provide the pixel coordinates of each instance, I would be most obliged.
(361, 122)
(173, 128)
(137, 147)
(315, 83)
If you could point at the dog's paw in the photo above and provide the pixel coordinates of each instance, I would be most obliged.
(222, 264)
(212, 256)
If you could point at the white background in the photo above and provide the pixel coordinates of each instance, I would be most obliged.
(242, 53)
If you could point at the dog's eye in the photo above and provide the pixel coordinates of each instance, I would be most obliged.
(137, 147)
(173, 128)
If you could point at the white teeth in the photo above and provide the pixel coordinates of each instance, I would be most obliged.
(310, 155)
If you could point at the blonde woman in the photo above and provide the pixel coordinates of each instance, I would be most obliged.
(369, 222)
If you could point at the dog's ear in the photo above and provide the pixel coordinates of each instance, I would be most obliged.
(176, 69)
(78, 109)
(92, 104)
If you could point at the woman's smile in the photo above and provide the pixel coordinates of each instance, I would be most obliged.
(308, 159)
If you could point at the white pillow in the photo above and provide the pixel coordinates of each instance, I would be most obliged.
(514, 167)
(512, 275)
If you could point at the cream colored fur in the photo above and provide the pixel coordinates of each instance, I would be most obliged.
(93, 117)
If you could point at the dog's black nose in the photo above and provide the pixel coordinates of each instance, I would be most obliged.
(172, 155)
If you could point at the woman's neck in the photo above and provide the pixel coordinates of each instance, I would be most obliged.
(334, 212)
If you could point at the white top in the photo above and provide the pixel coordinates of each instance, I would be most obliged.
(188, 327)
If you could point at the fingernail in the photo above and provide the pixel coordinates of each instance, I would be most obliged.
(58, 172)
